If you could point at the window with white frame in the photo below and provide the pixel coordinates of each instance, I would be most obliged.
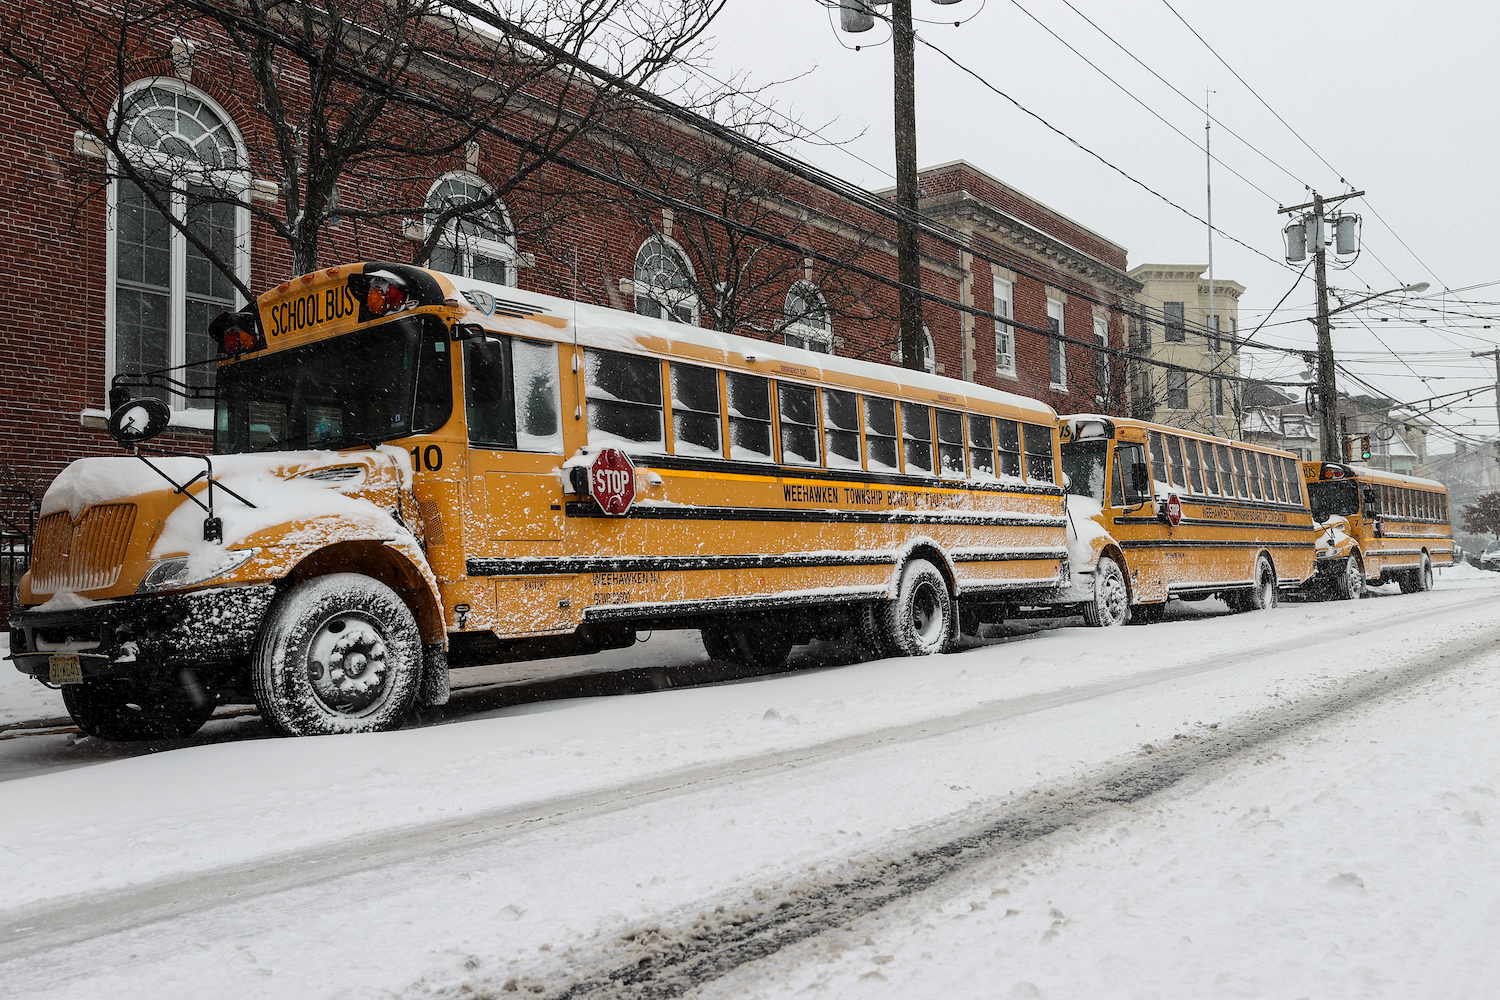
(808, 324)
(929, 353)
(664, 282)
(1177, 391)
(163, 289)
(1057, 355)
(478, 243)
(1005, 334)
(1102, 372)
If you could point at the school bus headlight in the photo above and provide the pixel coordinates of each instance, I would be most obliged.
(177, 572)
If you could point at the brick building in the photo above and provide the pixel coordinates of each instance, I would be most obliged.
(98, 284)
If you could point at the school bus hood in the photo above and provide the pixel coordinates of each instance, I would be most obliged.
(106, 522)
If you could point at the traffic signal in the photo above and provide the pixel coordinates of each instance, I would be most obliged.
(1364, 447)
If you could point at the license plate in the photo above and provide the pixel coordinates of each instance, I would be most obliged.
(63, 668)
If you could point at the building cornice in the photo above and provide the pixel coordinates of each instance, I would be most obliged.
(972, 213)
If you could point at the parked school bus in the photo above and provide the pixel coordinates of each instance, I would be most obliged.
(415, 472)
(1180, 514)
(1376, 527)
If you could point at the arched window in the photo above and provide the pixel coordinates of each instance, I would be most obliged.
(164, 289)
(664, 283)
(929, 353)
(808, 324)
(479, 244)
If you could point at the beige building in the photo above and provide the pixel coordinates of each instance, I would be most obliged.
(1173, 326)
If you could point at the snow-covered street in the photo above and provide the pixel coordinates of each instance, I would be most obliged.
(1290, 803)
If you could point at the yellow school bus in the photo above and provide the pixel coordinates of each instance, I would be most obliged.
(1376, 527)
(415, 472)
(1162, 512)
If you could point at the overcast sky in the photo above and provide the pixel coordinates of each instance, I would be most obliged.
(1398, 98)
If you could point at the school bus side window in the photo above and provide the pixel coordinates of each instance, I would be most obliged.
(1251, 461)
(1158, 460)
(799, 424)
(1194, 466)
(1210, 470)
(695, 411)
(1226, 470)
(1038, 439)
(981, 445)
(511, 397)
(1241, 483)
(1174, 454)
(880, 435)
(1272, 476)
(1293, 481)
(624, 400)
(1008, 447)
(749, 417)
(490, 401)
(841, 429)
(916, 435)
(950, 435)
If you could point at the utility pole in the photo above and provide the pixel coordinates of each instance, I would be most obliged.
(1328, 400)
(1496, 355)
(1213, 316)
(908, 254)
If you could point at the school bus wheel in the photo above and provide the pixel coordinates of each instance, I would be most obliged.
(1111, 603)
(337, 654)
(136, 708)
(1418, 580)
(1350, 584)
(1263, 595)
(921, 619)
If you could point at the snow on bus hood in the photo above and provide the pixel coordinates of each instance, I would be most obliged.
(1333, 534)
(272, 481)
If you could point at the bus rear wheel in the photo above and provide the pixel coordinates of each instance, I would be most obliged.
(1350, 584)
(1418, 580)
(1111, 603)
(1263, 596)
(337, 654)
(921, 620)
(136, 708)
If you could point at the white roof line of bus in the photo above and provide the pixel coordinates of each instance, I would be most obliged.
(600, 323)
(1360, 470)
(1078, 418)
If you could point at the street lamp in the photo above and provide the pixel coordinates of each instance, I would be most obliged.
(1327, 392)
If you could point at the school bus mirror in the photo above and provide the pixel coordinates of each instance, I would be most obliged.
(472, 331)
(1140, 482)
(139, 420)
(578, 480)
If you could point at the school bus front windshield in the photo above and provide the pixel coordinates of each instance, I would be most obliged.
(371, 385)
(1083, 466)
(1333, 498)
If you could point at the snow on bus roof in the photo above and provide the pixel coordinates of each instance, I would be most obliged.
(608, 328)
(1363, 471)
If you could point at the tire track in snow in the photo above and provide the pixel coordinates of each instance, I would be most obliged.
(654, 962)
(60, 923)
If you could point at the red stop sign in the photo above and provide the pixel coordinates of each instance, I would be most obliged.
(612, 481)
(1174, 510)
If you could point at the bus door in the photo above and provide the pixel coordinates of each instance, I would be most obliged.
(515, 510)
(1133, 520)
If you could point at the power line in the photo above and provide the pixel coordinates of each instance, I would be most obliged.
(1117, 169)
(1152, 111)
(1247, 143)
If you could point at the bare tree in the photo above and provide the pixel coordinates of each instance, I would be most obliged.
(346, 105)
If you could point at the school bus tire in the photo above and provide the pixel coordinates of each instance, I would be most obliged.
(922, 620)
(128, 709)
(1350, 584)
(337, 654)
(1263, 595)
(1418, 580)
(1111, 603)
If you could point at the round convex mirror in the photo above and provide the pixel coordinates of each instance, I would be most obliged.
(139, 420)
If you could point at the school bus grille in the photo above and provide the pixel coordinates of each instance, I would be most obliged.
(84, 555)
